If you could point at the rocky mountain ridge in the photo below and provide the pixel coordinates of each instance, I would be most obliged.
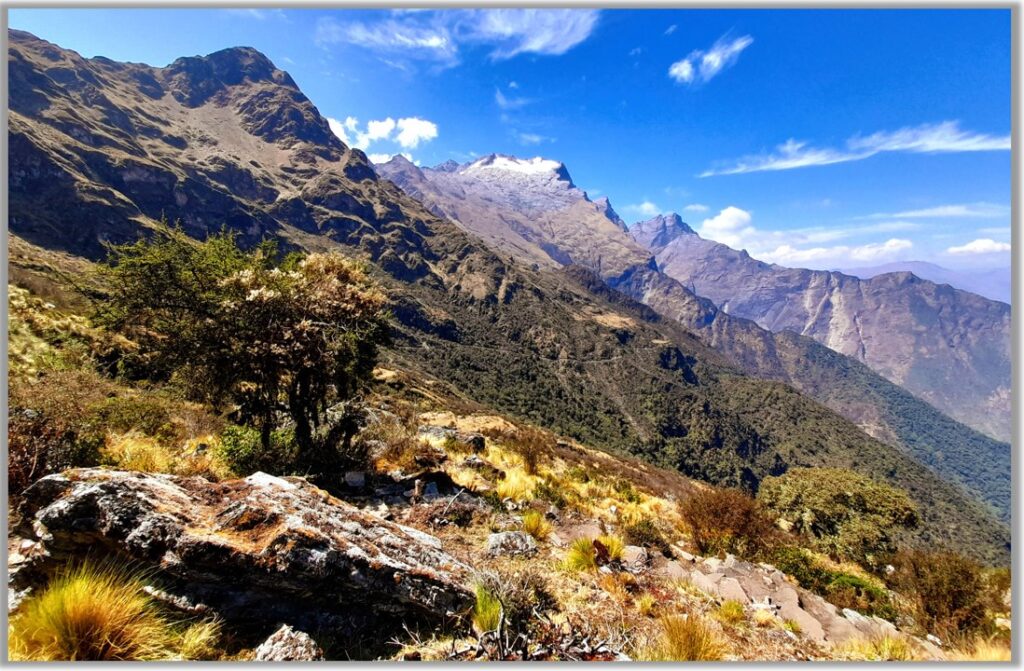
(948, 347)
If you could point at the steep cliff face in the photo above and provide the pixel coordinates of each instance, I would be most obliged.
(948, 347)
(540, 217)
(101, 150)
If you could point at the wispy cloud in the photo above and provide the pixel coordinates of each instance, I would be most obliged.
(258, 14)
(696, 207)
(438, 37)
(509, 102)
(981, 246)
(671, 29)
(965, 211)
(703, 66)
(945, 137)
(530, 139)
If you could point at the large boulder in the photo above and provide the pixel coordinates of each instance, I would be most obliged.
(257, 548)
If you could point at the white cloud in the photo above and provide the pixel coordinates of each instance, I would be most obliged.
(531, 138)
(636, 51)
(703, 66)
(643, 209)
(536, 31)
(968, 211)
(384, 158)
(438, 36)
(696, 207)
(413, 130)
(945, 137)
(258, 14)
(981, 246)
(734, 227)
(671, 29)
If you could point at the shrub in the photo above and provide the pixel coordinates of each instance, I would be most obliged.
(843, 513)
(645, 533)
(683, 639)
(947, 590)
(842, 589)
(243, 451)
(535, 525)
(582, 555)
(39, 444)
(532, 445)
(100, 612)
(550, 490)
(727, 520)
(731, 612)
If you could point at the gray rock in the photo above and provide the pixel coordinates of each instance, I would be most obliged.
(356, 479)
(289, 645)
(730, 590)
(510, 544)
(253, 547)
(635, 557)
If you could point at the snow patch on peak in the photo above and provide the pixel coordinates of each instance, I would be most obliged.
(523, 166)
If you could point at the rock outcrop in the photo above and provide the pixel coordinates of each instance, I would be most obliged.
(264, 548)
(288, 645)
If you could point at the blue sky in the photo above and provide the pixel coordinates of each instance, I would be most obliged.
(814, 138)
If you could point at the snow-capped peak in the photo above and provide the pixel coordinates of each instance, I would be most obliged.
(536, 166)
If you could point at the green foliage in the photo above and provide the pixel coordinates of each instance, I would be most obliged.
(486, 610)
(947, 589)
(244, 453)
(521, 594)
(843, 513)
(645, 533)
(727, 520)
(842, 589)
(236, 328)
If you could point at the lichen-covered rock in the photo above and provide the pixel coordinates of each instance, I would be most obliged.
(289, 645)
(510, 543)
(242, 544)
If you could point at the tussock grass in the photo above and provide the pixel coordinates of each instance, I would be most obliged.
(535, 525)
(731, 612)
(99, 612)
(983, 650)
(881, 649)
(764, 618)
(646, 604)
(582, 556)
(684, 638)
(486, 610)
(614, 545)
(792, 626)
(135, 452)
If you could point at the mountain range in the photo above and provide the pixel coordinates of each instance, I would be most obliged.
(564, 320)
(949, 347)
(993, 283)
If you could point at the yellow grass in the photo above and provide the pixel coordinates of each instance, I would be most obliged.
(535, 525)
(135, 452)
(100, 612)
(731, 612)
(983, 650)
(764, 618)
(684, 638)
(882, 649)
(581, 555)
(614, 545)
(486, 611)
(646, 604)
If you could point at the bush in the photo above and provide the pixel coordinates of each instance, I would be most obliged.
(645, 533)
(947, 590)
(843, 513)
(243, 451)
(532, 445)
(92, 612)
(521, 593)
(535, 525)
(727, 520)
(684, 639)
(841, 589)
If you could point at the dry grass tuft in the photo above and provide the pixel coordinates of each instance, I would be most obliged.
(764, 618)
(684, 638)
(582, 556)
(100, 612)
(486, 611)
(881, 649)
(983, 650)
(646, 604)
(614, 545)
(731, 612)
(535, 525)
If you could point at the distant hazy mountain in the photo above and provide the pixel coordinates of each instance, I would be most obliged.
(947, 346)
(529, 208)
(993, 284)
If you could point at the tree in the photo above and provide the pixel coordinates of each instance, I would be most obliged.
(844, 513)
(296, 336)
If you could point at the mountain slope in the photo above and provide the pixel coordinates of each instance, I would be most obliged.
(948, 347)
(549, 216)
(228, 140)
(992, 284)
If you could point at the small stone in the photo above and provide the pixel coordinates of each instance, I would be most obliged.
(713, 563)
(635, 557)
(933, 639)
(289, 645)
(683, 554)
(356, 479)
(510, 544)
